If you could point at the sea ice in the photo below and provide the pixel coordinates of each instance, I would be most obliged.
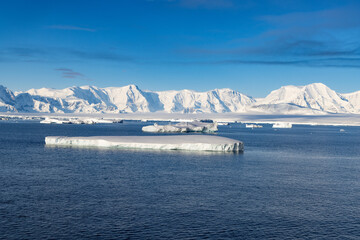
(182, 127)
(178, 142)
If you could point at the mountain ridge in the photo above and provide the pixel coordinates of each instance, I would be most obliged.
(315, 98)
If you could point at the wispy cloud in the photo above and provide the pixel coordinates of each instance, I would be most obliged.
(69, 73)
(324, 38)
(344, 17)
(69, 27)
(34, 54)
(326, 62)
(108, 56)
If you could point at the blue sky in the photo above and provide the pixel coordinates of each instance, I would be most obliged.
(250, 46)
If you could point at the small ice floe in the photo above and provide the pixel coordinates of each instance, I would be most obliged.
(253, 126)
(282, 125)
(182, 127)
(223, 123)
(342, 130)
(178, 142)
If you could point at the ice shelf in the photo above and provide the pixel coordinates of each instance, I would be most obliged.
(175, 142)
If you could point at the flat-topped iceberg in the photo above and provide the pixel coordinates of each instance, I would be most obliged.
(182, 127)
(178, 142)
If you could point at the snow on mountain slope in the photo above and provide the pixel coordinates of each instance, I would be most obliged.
(284, 108)
(354, 100)
(214, 101)
(131, 99)
(311, 98)
(7, 100)
(85, 99)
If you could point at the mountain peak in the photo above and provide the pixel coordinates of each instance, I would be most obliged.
(133, 86)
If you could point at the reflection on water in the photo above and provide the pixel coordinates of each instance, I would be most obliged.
(145, 151)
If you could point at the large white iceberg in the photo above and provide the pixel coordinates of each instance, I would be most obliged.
(175, 142)
(182, 127)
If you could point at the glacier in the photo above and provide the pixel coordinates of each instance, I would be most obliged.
(194, 126)
(312, 99)
(177, 142)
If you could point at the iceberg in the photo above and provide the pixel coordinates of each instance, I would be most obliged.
(176, 142)
(282, 125)
(182, 127)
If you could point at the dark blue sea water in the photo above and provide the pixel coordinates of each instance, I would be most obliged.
(299, 183)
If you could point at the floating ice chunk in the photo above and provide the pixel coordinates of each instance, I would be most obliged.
(54, 121)
(182, 127)
(282, 125)
(178, 142)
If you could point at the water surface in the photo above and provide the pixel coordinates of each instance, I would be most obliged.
(290, 183)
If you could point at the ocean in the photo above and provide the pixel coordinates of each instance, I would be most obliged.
(298, 183)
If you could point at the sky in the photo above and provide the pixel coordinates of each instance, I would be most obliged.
(250, 46)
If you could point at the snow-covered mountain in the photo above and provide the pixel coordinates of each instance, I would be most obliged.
(314, 98)
(90, 99)
(310, 99)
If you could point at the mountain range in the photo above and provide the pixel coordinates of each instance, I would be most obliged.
(314, 98)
